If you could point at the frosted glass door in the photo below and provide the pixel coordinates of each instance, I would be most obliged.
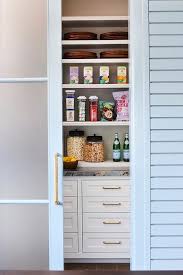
(30, 220)
(23, 39)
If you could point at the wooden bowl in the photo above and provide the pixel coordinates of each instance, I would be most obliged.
(72, 165)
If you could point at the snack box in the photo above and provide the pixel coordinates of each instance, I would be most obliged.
(74, 75)
(121, 74)
(88, 75)
(104, 74)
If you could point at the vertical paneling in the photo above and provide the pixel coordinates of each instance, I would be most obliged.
(166, 103)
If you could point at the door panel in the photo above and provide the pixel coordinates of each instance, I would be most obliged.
(23, 43)
(23, 142)
(23, 237)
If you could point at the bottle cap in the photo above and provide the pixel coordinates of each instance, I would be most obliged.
(81, 97)
(93, 97)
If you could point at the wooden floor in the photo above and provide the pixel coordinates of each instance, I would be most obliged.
(98, 267)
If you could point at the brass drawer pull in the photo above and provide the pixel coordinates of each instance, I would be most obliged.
(111, 188)
(111, 204)
(110, 243)
(111, 222)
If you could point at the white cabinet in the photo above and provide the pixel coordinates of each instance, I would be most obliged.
(97, 218)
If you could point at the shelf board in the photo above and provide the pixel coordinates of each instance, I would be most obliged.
(85, 21)
(94, 43)
(97, 61)
(95, 86)
(97, 123)
(105, 164)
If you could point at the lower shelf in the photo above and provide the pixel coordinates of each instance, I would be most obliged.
(105, 164)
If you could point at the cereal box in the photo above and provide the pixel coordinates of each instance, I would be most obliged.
(74, 75)
(88, 75)
(104, 74)
(121, 74)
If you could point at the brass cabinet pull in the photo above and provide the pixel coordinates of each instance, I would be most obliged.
(111, 222)
(111, 204)
(56, 199)
(111, 187)
(111, 242)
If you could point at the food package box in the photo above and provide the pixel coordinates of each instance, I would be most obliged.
(70, 115)
(74, 75)
(88, 75)
(104, 74)
(121, 74)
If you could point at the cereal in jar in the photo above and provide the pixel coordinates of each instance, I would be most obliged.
(75, 144)
(94, 149)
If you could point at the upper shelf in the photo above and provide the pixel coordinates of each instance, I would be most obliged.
(97, 61)
(87, 21)
(87, 44)
(95, 86)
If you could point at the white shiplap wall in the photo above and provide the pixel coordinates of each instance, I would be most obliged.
(166, 100)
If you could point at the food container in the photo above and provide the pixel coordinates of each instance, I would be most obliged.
(82, 107)
(75, 144)
(93, 108)
(88, 75)
(121, 74)
(74, 75)
(70, 114)
(104, 74)
(94, 149)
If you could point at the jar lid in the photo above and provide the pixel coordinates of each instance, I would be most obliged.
(76, 133)
(81, 97)
(70, 91)
(93, 97)
(94, 138)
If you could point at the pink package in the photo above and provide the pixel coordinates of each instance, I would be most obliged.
(122, 102)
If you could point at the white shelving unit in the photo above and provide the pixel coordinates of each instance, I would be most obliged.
(97, 198)
(98, 23)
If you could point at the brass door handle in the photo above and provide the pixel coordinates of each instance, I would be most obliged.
(112, 222)
(110, 243)
(111, 204)
(56, 197)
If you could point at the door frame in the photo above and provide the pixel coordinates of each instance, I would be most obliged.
(56, 219)
(140, 135)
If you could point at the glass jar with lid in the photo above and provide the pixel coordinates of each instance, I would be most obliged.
(94, 149)
(75, 144)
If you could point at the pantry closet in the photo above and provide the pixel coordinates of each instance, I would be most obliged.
(97, 194)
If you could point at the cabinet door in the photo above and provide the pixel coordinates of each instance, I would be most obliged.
(31, 236)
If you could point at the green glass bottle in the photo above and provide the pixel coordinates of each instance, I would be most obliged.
(116, 149)
(126, 149)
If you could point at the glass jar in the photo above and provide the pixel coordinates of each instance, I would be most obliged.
(82, 107)
(94, 149)
(75, 144)
(93, 108)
